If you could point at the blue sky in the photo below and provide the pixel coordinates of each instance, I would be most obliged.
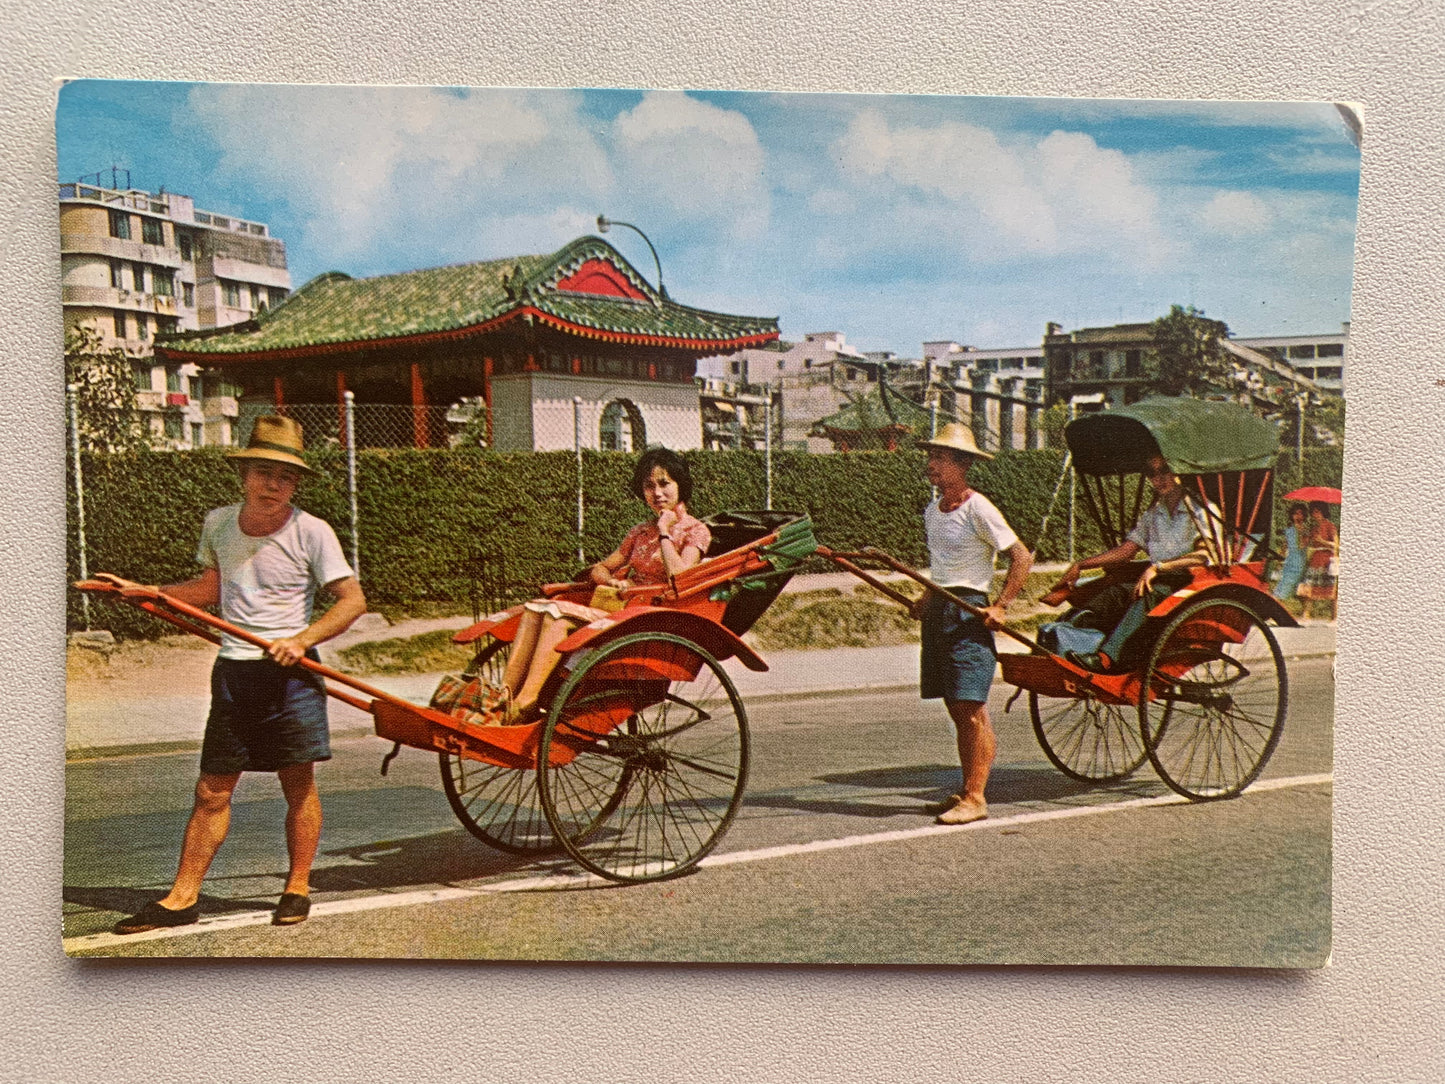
(894, 219)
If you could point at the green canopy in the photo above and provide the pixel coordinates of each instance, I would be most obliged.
(1195, 436)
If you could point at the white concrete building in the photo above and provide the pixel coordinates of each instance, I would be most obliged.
(134, 265)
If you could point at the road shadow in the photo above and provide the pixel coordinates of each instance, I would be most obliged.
(910, 790)
(447, 857)
(124, 900)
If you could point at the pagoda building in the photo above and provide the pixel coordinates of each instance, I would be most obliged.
(552, 348)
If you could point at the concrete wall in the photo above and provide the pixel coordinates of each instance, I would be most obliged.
(534, 411)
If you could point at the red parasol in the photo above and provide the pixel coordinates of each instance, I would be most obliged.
(1327, 494)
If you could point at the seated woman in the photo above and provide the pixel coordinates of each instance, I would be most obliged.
(651, 553)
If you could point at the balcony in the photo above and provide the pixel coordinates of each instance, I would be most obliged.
(100, 244)
(220, 406)
(150, 400)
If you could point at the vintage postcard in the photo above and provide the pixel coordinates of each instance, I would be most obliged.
(701, 526)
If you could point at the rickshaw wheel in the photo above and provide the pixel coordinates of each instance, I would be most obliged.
(648, 797)
(1087, 739)
(500, 806)
(1220, 705)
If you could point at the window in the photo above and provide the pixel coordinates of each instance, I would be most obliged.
(152, 231)
(142, 373)
(1330, 350)
(196, 388)
(120, 225)
(198, 435)
(231, 294)
(622, 428)
(175, 426)
(120, 323)
(173, 378)
(1301, 351)
(1330, 372)
(165, 285)
(184, 241)
(116, 273)
(1096, 363)
(138, 277)
(188, 295)
(142, 330)
(1133, 363)
(735, 367)
(780, 365)
(278, 295)
(167, 325)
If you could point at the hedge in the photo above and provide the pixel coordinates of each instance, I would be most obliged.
(425, 513)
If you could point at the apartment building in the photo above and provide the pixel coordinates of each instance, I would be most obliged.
(135, 265)
(1320, 358)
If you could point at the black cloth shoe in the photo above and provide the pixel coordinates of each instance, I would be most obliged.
(155, 917)
(292, 909)
(1092, 662)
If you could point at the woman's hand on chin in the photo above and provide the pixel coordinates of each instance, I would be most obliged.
(667, 521)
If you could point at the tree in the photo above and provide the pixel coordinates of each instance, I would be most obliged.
(1191, 360)
(109, 420)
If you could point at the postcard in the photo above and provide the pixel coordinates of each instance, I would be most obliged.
(702, 526)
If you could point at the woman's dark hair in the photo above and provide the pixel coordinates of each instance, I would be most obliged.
(1321, 507)
(668, 460)
(1297, 507)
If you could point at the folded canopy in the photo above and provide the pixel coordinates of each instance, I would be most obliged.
(1195, 436)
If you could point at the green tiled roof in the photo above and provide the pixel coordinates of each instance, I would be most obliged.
(866, 414)
(334, 310)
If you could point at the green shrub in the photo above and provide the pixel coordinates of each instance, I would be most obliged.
(424, 514)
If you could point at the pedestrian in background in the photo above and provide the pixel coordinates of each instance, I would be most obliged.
(263, 562)
(965, 535)
(1293, 569)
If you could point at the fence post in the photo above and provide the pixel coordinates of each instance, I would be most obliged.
(351, 482)
(72, 391)
(577, 446)
(768, 449)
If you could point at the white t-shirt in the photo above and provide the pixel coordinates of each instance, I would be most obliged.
(269, 583)
(962, 544)
(1165, 535)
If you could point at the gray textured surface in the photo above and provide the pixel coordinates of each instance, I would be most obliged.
(1367, 1018)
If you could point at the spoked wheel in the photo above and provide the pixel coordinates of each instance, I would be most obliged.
(1087, 739)
(643, 758)
(1221, 693)
(500, 806)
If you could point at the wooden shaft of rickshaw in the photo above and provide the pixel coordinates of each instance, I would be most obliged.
(159, 605)
(872, 553)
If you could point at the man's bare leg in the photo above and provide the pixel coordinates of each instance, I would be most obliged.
(976, 749)
(205, 832)
(303, 824)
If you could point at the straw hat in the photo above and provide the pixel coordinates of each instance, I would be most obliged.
(275, 438)
(957, 437)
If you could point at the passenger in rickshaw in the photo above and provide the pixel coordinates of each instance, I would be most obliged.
(1172, 531)
(650, 553)
(965, 533)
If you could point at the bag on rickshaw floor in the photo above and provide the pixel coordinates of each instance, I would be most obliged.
(471, 699)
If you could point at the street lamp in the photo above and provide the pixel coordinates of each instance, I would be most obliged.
(604, 224)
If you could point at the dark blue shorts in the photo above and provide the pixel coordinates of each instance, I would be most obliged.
(264, 717)
(959, 658)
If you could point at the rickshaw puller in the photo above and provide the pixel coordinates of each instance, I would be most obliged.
(263, 561)
(965, 533)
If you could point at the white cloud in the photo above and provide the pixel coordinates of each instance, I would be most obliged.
(695, 159)
(1236, 214)
(1058, 195)
(370, 168)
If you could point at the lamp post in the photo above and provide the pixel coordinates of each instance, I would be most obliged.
(604, 224)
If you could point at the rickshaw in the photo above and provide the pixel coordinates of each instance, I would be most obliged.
(637, 763)
(1204, 691)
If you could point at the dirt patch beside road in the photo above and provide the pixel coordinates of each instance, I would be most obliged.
(170, 666)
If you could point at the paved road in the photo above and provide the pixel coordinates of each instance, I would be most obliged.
(1060, 872)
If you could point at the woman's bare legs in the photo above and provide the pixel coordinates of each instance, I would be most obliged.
(524, 644)
(544, 660)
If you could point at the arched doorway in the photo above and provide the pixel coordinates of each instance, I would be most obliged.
(622, 428)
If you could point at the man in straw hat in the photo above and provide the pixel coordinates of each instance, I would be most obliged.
(965, 533)
(263, 561)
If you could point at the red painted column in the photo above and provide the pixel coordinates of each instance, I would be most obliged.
(276, 391)
(418, 407)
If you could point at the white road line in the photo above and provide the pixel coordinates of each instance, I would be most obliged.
(573, 880)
